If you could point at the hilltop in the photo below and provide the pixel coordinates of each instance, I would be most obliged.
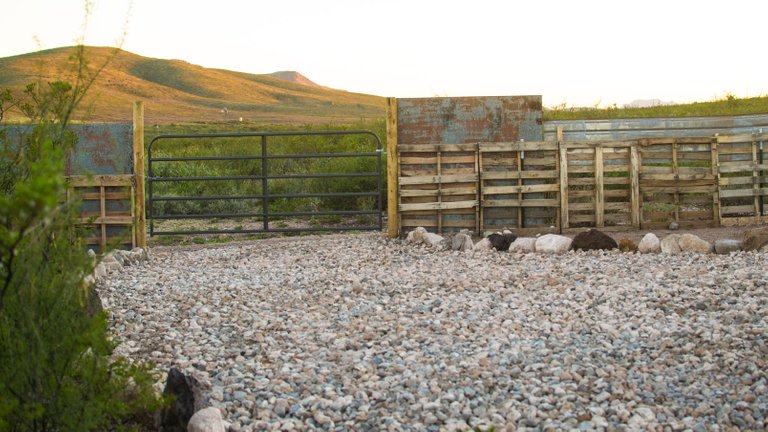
(175, 91)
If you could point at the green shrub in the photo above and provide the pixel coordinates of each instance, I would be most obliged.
(55, 368)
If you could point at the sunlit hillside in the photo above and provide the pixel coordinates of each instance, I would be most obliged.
(175, 91)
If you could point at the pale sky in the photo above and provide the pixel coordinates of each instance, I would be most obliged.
(580, 52)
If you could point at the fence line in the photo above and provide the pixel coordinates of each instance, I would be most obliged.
(564, 185)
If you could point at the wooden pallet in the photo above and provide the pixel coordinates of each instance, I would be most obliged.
(599, 187)
(678, 182)
(519, 186)
(438, 187)
(743, 177)
(108, 209)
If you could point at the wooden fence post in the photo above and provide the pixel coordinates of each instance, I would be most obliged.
(634, 184)
(716, 174)
(140, 223)
(599, 188)
(392, 170)
(563, 150)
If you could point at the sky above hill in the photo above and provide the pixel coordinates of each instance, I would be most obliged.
(581, 53)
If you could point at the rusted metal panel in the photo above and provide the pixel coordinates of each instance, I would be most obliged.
(458, 120)
(102, 149)
(671, 127)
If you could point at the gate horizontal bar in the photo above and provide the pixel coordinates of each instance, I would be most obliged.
(287, 156)
(176, 179)
(251, 215)
(226, 197)
(284, 176)
(269, 230)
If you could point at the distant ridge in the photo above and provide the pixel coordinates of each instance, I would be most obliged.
(295, 77)
(175, 91)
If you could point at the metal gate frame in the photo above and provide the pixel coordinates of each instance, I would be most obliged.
(265, 196)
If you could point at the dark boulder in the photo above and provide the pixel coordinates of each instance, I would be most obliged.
(501, 242)
(593, 240)
(181, 388)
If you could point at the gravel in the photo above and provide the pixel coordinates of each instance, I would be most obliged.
(355, 332)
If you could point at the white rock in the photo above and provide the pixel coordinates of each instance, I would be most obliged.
(484, 244)
(669, 245)
(649, 244)
(206, 420)
(420, 235)
(100, 272)
(416, 235)
(692, 243)
(523, 245)
(462, 242)
(432, 239)
(553, 243)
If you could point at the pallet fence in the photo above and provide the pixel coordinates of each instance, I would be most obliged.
(108, 209)
(567, 186)
(112, 212)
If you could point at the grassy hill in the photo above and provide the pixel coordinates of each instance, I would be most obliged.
(175, 91)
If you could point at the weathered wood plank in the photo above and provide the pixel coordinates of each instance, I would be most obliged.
(517, 203)
(435, 179)
(100, 180)
(438, 205)
(736, 193)
(514, 175)
(496, 190)
(486, 147)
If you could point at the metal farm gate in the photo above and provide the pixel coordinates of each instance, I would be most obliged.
(264, 182)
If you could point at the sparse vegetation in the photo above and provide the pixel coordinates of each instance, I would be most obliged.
(729, 105)
(55, 367)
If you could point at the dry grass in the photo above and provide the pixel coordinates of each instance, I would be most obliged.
(175, 91)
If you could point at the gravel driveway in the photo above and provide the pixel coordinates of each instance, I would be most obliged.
(355, 332)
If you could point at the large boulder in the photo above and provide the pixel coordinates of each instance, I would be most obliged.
(416, 236)
(421, 235)
(523, 245)
(501, 242)
(553, 243)
(755, 239)
(669, 244)
(726, 246)
(206, 420)
(693, 243)
(649, 244)
(462, 242)
(187, 398)
(432, 239)
(593, 240)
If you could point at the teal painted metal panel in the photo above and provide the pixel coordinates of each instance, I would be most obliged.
(101, 149)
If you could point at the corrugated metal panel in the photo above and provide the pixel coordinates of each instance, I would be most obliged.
(459, 120)
(101, 148)
(624, 129)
